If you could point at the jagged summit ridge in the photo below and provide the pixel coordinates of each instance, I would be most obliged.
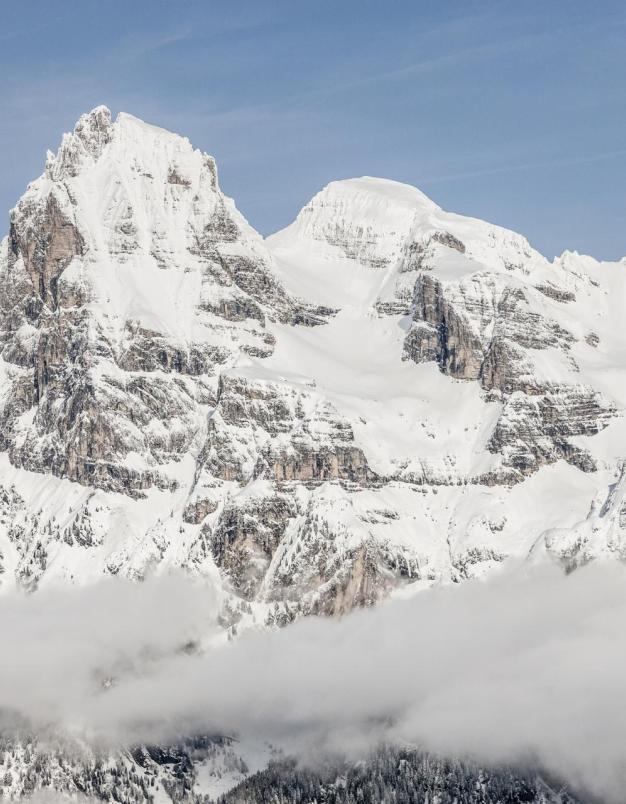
(383, 394)
(91, 133)
(96, 129)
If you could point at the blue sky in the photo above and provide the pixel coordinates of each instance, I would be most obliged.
(510, 111)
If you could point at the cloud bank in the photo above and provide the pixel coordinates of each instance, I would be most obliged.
(527, 667)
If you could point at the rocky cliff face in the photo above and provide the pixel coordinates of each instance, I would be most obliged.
(382, 395)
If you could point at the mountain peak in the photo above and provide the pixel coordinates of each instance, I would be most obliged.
(380, 189)
(130, 259)
(92, 132)
(100, 112)
(130, 126)
(134, 141)
(363, 216)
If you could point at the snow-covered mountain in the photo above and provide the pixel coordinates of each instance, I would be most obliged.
(381, 396)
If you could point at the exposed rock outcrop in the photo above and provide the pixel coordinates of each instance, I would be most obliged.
(481, 328)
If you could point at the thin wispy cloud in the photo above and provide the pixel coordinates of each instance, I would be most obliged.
(445, 61)
(583, 159)
(32, 28)
(462, 29)
(138, 46)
